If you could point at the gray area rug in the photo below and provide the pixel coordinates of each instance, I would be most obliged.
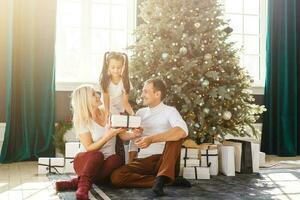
(242, 186)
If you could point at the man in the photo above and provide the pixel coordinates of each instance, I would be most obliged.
(157, 162)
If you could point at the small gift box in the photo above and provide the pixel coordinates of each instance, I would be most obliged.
(188, 153)
(69, 165)
(125, 121)
(50, 165)
(209, 158)
(196, 173)
(227, 160)
(72, 148)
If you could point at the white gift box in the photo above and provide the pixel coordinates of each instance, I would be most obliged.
(255, 157)
(196, 173)
(209, 158)
(125, 121)
(237, 153)
(71, 149)
(50, 165)
(262, 159)
(190, 163)
(69, 166)
(187, 153)
(227, 160)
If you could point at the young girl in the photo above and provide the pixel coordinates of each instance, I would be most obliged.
(97, 159)
(114, 81)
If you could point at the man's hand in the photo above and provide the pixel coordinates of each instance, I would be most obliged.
(143, 142)
(136, 132)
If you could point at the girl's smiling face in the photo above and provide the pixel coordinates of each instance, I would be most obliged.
(115, 67)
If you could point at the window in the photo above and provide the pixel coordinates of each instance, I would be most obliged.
(248, 20)
(86, 29)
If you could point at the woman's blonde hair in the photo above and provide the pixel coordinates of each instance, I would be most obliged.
(82, 106)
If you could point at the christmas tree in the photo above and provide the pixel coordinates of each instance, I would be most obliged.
(185, 43)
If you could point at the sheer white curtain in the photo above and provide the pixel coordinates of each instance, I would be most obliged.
(248, 20)
(85, 30)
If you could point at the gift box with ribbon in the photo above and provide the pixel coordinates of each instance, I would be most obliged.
(196, 173)
(51, 165)
(209, 158)
(125, 121)
(189, 153)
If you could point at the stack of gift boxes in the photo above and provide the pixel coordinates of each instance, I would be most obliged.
(199, 163)
(226, 158)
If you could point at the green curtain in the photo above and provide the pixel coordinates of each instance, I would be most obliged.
(280, 134)
(30, 100)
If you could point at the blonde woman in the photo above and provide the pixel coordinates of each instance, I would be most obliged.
(98, 158)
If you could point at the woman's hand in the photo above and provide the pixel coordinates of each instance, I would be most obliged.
(112, 132)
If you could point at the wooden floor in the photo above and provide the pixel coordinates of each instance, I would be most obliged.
(20, 180)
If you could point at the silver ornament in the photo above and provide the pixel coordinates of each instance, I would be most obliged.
(227, 115)
(206, 110)
(183, 50)
(165, 56)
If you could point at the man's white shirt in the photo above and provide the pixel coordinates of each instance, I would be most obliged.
(157, 120)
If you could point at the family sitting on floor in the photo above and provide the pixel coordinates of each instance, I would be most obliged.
(154, 148)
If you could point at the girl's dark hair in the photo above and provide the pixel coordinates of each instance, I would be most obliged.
(105, 78)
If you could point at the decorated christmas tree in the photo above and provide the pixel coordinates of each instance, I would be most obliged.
(186, 44)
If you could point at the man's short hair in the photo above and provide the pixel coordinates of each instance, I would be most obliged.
(158, 85)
